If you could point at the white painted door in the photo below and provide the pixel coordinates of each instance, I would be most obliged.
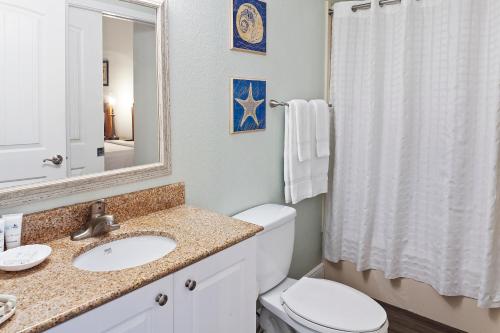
(136, 312)
(224, 295)
(32, 90)
(85, 93)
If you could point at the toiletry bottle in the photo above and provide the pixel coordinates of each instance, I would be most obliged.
(13, 225)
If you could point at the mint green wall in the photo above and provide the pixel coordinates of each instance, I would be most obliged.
(223, 172)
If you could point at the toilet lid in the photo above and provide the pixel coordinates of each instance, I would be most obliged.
(322, 303)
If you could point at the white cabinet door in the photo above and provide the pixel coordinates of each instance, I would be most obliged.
(85, 94)
(224, 298)
(136, 312)
(32, 90)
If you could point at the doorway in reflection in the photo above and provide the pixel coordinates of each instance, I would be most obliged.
(113, 111)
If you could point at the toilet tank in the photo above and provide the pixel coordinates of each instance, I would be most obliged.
(274, 243)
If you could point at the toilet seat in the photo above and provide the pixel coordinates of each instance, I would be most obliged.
(327, 307)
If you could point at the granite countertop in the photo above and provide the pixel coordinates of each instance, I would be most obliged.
(55, 291)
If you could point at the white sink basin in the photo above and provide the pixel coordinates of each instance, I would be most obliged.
(124, 253)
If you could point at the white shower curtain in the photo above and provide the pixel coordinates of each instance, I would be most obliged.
(416, 94)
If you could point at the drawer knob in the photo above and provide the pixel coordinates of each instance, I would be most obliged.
(190, 284)
(161, 299)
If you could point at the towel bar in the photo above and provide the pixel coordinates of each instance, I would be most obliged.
(274, 104)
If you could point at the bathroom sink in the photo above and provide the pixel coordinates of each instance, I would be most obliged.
(124, 253)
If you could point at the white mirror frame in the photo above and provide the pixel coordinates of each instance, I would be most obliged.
(24, 194)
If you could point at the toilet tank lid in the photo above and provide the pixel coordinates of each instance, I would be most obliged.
(268, 216)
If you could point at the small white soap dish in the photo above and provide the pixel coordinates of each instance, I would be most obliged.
(7, 307)
(24, 257)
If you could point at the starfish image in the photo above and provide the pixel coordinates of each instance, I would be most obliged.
(250, 106)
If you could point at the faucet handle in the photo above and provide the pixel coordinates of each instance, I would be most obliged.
(98, 208)
(113, 226)
(110, 223)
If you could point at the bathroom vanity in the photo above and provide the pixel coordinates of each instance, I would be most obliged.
(216, 294)
(206, 284)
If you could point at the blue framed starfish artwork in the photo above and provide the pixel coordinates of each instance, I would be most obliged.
(248, 105)
(249, 26)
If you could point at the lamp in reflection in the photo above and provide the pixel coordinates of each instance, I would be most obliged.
(109, 119)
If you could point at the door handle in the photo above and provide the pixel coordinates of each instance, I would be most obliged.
(56, 160)
(190, 284)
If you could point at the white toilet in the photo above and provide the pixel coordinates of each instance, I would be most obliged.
(307, 305)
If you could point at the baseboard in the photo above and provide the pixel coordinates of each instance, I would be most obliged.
(404, 321)
(317, 272)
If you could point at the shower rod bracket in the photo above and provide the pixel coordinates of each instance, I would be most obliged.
(368, 5)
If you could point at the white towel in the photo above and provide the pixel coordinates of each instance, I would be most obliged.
(320, 145)
(322, 119)
(297, 174)
(319, 175)
(303, 120)
(286, 149)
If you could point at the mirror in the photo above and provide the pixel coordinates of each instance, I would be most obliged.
(85, 98)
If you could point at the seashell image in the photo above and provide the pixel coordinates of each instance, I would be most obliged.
(249, 24)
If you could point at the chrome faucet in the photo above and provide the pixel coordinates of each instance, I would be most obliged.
(98, 222)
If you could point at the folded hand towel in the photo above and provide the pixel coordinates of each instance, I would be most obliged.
(321, 113)
(319, 175)
(303, 120)
(320, 147)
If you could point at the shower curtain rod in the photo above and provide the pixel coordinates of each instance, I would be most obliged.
(368, 5)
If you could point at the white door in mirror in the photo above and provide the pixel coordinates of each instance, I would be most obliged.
(24, 257)
(84, 94)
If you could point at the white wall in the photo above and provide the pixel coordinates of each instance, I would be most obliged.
(147, 149)
(118, 49)
(223, 172)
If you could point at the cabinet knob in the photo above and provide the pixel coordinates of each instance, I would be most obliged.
(161, 299)
(190, 284)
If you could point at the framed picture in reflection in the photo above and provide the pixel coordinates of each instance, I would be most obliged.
(105, 73)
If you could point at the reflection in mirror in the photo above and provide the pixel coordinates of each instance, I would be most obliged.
(79, 105)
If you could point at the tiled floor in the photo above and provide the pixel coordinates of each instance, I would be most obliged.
(402, 321)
